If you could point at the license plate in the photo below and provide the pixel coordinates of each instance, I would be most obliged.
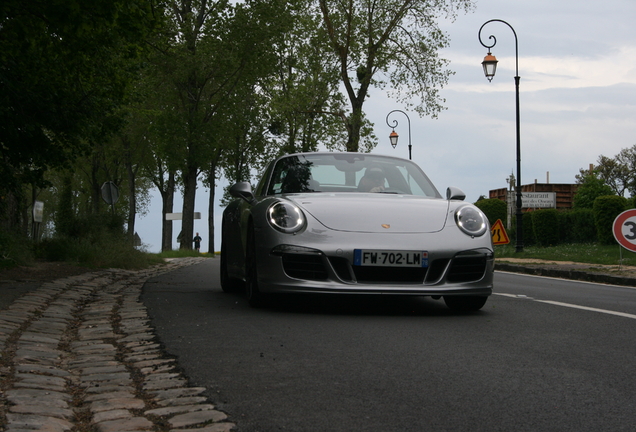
(390, 258)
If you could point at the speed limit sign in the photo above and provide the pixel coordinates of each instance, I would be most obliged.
(625, 229)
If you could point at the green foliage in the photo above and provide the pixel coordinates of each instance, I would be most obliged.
(545, 225)
(94, 241)
(577, 226)
(392, 43)
(14, 250)
(528, 229)
(494, 209)
(592, 253)
(65, 216)
(591, 187)
(66, 65)
(606, 208)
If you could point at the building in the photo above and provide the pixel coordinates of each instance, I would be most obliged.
(564, 193)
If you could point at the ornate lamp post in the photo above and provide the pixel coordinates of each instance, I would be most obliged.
(490, 67)
(394, 136)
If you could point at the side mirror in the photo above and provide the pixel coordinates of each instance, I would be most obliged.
(243, 190)
(453, 193)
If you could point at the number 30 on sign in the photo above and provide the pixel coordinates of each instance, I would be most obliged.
(625, 229)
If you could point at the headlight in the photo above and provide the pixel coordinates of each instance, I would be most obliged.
(285, 217)
(471, 220)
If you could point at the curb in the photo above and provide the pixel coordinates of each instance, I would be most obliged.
(561, 272)
(79, 354)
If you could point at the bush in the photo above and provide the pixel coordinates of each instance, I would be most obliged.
(94, 241)
(528, 229)
(545, 224)
(494, 209)
(606, 208)
(14, 250)
(578, 226)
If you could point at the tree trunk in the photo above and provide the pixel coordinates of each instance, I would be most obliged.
(189, 195)
(95, 186)
(354, 124)
(132, 199)
(167, 197)
(212, 183)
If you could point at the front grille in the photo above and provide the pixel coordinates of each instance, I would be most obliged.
(436, 270)
(370, 274)
(467, 268)
(342, 268)
(310, 267)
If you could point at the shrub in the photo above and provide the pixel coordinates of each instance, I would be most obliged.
(606, 208)
(493, 208)
(579, 226)
(528, 229)
(14, 250)
(545, 224)
(94, 241)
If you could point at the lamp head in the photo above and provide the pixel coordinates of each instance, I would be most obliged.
(394, 138)
(490, 66)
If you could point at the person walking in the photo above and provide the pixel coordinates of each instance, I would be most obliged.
(197, 242)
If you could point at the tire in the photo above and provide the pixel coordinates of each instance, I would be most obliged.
(255, 298)
(228, 284)
(465, 303)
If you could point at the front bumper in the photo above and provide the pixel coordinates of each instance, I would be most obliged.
(290, 268)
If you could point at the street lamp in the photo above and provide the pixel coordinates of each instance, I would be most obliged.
(393, 136)
(490, 66)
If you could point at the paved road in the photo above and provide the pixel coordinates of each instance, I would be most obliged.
(406, 364)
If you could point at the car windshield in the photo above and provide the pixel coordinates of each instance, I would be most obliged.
(348, 172)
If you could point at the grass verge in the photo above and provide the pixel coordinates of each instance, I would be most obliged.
(576, 252)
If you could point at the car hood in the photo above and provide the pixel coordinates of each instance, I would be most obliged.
(375, 213)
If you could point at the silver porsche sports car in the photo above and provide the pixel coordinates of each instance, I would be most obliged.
(354, 223)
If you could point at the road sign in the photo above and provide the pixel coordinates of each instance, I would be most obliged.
(110, 193)
(38, 211)
(624, 229)
(499, 234)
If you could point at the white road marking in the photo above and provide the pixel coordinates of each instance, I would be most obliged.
(573, 306)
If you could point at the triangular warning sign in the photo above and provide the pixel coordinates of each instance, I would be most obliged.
(499, 234)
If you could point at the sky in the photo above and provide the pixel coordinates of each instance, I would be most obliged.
(577, 63)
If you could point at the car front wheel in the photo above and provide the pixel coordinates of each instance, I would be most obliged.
(228, 284)
(254, 297)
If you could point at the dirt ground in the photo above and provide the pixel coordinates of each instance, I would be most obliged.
(41, 272)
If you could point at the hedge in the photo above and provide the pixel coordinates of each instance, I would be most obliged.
(605, 209)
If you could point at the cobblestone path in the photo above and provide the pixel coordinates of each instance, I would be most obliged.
(78, 354)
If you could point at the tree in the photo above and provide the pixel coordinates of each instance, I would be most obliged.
(204, 53)
(303, 101)
(390, 42)
(614, 172)
(626, 159)
(590, 188)
(64, 68)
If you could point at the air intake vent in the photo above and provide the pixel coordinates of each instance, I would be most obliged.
(467, 269)
(308, 267)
